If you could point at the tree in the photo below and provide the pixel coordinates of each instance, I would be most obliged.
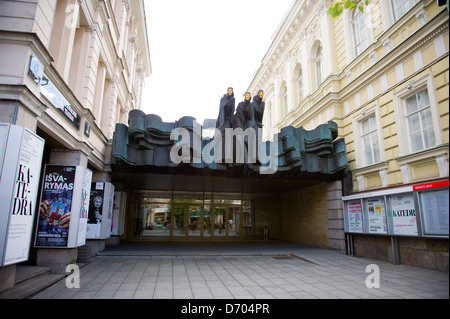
(339, 5)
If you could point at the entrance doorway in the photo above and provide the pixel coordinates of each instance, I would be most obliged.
(194, 217)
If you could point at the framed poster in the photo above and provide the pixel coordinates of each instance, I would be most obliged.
(62, 209)
(434, 207)
(21, 157)
(100, 211)
(376, 215)
(404, 214)
(354, 217)
(118, 219)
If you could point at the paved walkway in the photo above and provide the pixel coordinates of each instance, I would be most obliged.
(261, 270)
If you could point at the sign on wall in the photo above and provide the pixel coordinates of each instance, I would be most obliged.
(20, 167)
(63, 207)
(419, 210)
(51, 92)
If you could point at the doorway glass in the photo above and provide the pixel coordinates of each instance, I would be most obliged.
(193, 216)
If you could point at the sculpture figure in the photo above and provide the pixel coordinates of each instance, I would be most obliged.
(258, 109)
(243, 112)
(226, 111)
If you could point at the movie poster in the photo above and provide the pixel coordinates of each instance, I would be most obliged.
(55, 206)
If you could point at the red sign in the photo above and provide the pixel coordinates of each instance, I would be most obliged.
(430, 186)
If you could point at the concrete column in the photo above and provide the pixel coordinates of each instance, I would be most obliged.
(336, 234)
(97, 245)
(58, 258)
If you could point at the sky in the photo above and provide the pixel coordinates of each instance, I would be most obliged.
(199, 48)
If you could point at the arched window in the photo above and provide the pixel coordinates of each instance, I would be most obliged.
(285, 100)
(318, 65)
(359, 32)
(300, 85)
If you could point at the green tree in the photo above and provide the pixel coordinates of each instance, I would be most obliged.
(340, 5)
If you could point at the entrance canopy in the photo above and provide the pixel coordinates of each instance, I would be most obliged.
(151, 154)
(197, 183)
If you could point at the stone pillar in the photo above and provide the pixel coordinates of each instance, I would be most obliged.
(58, 258)
(336, 234)
(97, 245)
(7, 276)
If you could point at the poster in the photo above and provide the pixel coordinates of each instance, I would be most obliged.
(100, 211)
(57, 191)
(63, 206)
(354, 210)
(376, 214)
(21, 157)
(435, 212)
(404, 214)
(118, 219)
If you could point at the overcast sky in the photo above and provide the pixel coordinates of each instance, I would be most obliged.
(198, 48)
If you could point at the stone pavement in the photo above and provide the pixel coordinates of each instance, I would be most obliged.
(244, 270)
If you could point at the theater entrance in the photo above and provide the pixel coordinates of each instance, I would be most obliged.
(194, 216)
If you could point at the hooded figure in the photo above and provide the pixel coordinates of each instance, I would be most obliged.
(226, 111)
(244, 113)
(258, 109)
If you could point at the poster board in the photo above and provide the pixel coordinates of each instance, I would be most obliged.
(119, 208)
(434, 206)
(354, 223)
(63, 207)
(100, 211)
(20, 167)
(420, 210)
(404, 217)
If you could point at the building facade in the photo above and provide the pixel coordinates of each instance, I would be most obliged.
(71, 70)
(382, 76)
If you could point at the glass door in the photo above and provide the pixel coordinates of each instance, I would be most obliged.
(187, 222)
(194, 220)
(234, 222)
(220, 222)
(179, 227)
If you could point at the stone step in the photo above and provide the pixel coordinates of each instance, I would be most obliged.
(30, 280)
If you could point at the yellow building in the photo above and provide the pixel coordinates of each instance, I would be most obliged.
(383, 77)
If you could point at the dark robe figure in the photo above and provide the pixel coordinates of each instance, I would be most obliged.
(243, 113)
(226, 111)
(258, 109)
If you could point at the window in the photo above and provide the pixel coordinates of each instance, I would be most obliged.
(285, 100)
(318, 65)
(300, 85)
(419, 121)
(400, 7)
(369, 138)
(359, 32)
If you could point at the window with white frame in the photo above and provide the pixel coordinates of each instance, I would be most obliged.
(318, 66)
(285, 100)
(400, 7)
(300, 85)
(360, 37)
(369, 139)
(419, 121)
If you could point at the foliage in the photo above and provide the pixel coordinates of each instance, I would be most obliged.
(339, 5)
